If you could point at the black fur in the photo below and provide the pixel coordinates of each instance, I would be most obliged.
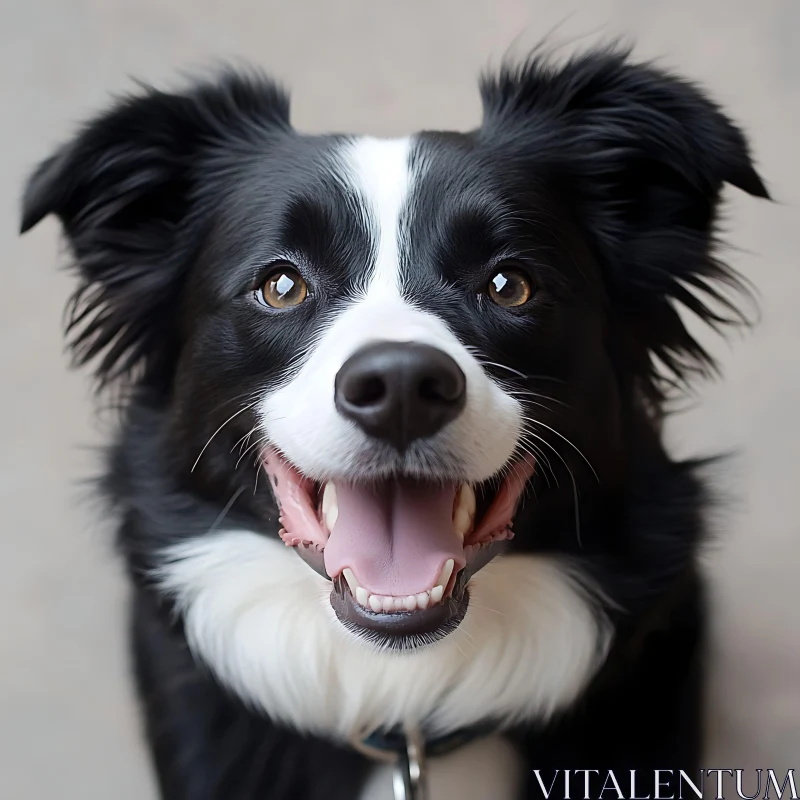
(600, 176)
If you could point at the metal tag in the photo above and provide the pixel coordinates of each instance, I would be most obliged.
(409, 779)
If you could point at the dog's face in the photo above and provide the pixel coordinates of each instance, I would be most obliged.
(431, 345)
(389, 314)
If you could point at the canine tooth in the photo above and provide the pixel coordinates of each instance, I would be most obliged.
(362, 596)
(375, 603)
(423, 598)
(330, 505)
(351, 579)
(462, 522)
(466, 499)
(436, 593)
(399, 603)
(410, 603)
(447, 571)
(388, 604)
(464, 510)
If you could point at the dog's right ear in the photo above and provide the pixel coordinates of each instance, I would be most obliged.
(127, 193)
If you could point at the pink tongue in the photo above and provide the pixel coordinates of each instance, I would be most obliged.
(395, 535)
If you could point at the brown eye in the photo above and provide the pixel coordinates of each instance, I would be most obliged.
(509, 288)
(283, 288)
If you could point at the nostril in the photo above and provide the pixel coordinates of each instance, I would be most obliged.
(440, 390)
(429, 389)
(367, 391)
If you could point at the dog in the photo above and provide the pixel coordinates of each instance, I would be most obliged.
(389, 470)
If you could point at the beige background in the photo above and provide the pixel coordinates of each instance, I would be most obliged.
(67, 724)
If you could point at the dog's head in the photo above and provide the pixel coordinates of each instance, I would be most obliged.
(406, 335)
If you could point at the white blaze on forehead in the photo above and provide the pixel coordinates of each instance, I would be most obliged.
(379, 171)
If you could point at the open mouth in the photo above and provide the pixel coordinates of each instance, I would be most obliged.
(399, 551)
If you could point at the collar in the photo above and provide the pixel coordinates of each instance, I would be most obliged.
(389, 745)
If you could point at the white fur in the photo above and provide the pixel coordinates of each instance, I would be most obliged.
(487, 769)
(300, 418)
(261, 619)
(378, 170)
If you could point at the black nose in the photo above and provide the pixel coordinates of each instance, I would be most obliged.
(400, 391)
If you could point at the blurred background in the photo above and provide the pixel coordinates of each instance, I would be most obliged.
(68, 724)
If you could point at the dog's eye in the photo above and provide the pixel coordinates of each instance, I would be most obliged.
(283, 288)
(509, 287)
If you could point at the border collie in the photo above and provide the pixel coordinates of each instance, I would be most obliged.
(390, 465)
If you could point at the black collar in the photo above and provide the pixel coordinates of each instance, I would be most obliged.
(381, 744)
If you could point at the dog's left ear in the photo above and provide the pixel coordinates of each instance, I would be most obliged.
(640, 157)
(128, 191)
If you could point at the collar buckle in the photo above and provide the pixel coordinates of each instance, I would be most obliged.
(404, 749)
(409, 780)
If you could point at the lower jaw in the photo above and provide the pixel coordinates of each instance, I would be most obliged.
(403, 631)
(400, 630)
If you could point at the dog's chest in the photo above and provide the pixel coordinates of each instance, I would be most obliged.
(487, 768)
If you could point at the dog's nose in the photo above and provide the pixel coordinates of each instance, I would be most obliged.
(400, 391)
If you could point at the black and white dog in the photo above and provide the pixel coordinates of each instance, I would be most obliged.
(390, 457)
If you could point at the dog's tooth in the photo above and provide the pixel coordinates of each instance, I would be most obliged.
(362, 596)
(462, 522)
(436, 593)
(447, 571)
(410, 603)
(330, 505)
(399, 603)
(388, 604)
(351, 580)
(467, 499)
(375, 603)
(423, 599)
(328, 496)
(464, 510)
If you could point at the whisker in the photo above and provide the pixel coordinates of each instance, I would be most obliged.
(575, 447)
(254, 395)
(244, 439)
(468, 635)
(576, 503)
(575, 494)
(236, 414)
(531, 449)
(466, 657)
(544, 378)
(540, 457)
(535, 403)
(255, 444)
(528, 393)
(486, 608)
(503, 366)
(225, 510)
(528, 432)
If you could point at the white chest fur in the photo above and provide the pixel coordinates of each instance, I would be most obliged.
(261, 619)
(487, 769)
